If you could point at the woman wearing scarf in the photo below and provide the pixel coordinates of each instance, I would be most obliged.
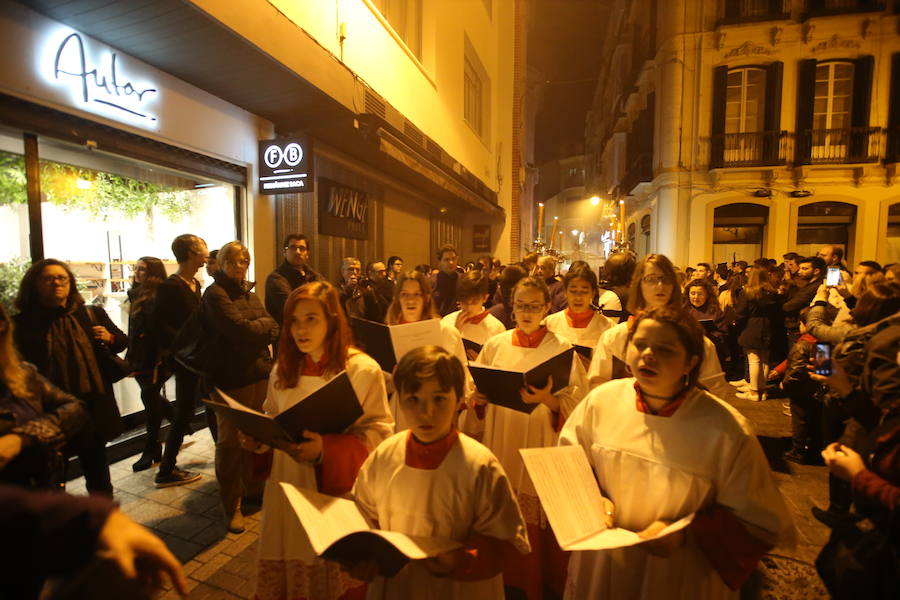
(55, 332)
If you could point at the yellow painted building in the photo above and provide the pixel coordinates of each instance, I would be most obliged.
(747, 128)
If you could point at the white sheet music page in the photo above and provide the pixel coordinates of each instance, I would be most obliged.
(325, 519)
(568, 491)
(413, 335)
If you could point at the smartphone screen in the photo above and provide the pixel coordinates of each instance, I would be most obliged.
(823, 359)
(834, 276)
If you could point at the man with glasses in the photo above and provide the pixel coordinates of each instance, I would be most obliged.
(291, 274)
(178, 297)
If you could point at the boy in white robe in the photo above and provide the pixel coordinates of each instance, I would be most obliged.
(434, 481)
(475, 324)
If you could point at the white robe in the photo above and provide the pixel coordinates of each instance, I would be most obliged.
(504, 431)
(467, 494)
(610, 301)
(281, 538)
(451, 341)
(580, 336)
(479, 332)
(614, 343)
(664, 468)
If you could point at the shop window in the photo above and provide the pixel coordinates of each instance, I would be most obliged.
(14, 226)
(892, 236)
(739, 231)
(825, 223)
(405, 17)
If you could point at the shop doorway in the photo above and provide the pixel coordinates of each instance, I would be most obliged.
(826, 223)
(739, 232)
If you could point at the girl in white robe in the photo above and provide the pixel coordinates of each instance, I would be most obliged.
(433, 481)
(662, 449)
(314, 346)
(473, 322)
(505, 431)
(413, 303)
(579, 323)
(654, 284)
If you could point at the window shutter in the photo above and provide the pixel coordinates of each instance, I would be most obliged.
(717, 145)
(893, 153)
(862, 91)
(862, 105)
(806, 94)
(772, 122)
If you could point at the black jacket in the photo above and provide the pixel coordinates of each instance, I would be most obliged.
(279, 285)
(241, 331)
(764, 321)
(798, 298)
(175, 301)
(32, 339)
(143, 342)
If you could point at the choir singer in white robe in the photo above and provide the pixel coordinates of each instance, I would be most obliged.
(661, 449)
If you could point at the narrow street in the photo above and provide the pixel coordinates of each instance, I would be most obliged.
(222, 565)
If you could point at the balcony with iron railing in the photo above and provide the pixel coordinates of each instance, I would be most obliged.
(892, 149)
(753, 149)
(749, 11)
(854, 145)
(822, 8)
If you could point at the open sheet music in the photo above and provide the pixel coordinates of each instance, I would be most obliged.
(332, 408)
(502, 386)
(339, 532)
(571, 498)
(387, 344)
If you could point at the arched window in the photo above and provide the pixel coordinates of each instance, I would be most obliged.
(826, 223)
(739, 231)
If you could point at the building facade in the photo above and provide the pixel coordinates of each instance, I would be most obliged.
(125, 124)
(734, 129)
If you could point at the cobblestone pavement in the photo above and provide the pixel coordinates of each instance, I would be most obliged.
(219, 564)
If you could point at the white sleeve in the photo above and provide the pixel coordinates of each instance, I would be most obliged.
(711, 375)
(601, 367)
(496, 509)
(376, 423)
(363, 492)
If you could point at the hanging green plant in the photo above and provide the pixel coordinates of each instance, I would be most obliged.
(102, 195)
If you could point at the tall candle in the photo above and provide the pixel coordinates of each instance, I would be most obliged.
(540, 227)
(560, 240)
(622, 220)
(553, 233)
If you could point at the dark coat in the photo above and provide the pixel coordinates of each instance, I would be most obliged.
(58, 417)
(241, 331)
(797, 383)
(763, 321)
(32, 339)
(143, 342)
(797, 299)
(279, 285)
(175, 301)
(718, 335)
(443, 290)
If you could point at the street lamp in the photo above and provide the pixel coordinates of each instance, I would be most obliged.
(595, 200)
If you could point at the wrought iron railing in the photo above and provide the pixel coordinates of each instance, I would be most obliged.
(737, 11)
(831, 7)
(839, 146)
(892, 150)
(754, 149)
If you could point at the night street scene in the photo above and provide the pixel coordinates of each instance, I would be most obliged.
(450, 299)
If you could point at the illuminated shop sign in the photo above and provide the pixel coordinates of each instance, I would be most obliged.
(343, 210)
(95, 76)
(285, 166)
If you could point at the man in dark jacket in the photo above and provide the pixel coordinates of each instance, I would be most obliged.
(291, 274)
(810, 272)
(443, 283)
(178, 297)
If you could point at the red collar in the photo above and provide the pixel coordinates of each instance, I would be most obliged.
(429, 456)
(524, 340)
(312, 368)
(667, 411)
(477, 318)
(579, 321)
(807, 337)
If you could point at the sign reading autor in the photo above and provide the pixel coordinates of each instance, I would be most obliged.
(285, 166)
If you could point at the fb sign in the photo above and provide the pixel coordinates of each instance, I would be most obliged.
(284, 166)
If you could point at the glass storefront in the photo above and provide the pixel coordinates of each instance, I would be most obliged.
(99, 214)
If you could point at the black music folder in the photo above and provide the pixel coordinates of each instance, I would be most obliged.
(502, 386)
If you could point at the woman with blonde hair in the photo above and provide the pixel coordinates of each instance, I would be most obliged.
(241, 331)
(36, 418)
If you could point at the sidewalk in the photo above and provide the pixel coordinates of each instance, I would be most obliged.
(221, 565)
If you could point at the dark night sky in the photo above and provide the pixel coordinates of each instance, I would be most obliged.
(564, 46)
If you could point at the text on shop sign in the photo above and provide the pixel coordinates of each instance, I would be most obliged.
(284, 166)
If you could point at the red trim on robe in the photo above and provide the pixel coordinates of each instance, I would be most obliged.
(429, 456)
(312, 368)
(477, 318)
(482, 557)
(526, 572)
(579, 321)
(480, 411)
(520, 339)
(727, 545)
(261, 465)
(666, 411)
(558, 422)
(343, 455)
